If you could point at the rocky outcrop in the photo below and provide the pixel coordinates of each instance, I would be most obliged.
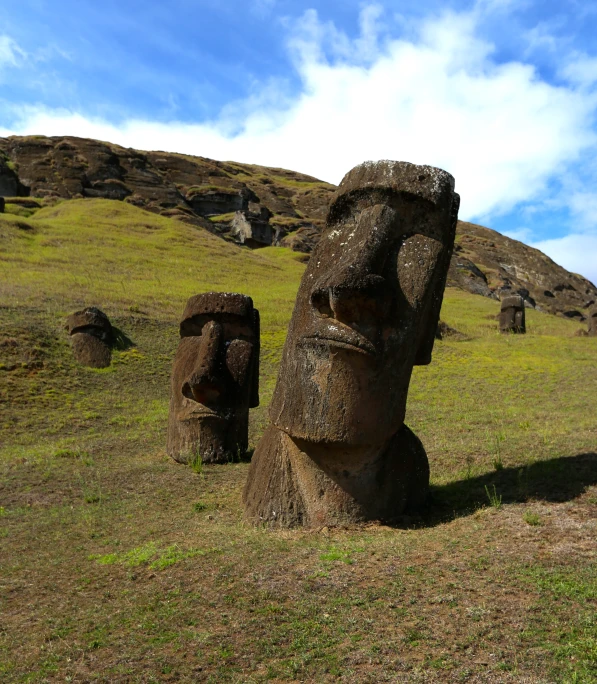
(208, 194)
(252, 228)
(488, 263)
(196, 190)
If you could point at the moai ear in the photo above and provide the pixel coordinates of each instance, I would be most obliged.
(431, 319)
(254, 397)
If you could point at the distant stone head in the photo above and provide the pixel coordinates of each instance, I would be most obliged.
(215, 378)
(512, 315)
(91, 337)
(593, 323)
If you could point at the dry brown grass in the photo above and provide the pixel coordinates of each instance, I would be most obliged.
(119, 565)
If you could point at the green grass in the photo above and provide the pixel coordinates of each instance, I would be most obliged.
(118, 564)
(18, 210)
(205, 189)
(223, 218)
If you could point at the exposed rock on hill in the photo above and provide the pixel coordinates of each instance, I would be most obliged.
(202, 191)
(258, 205)
(488, 263)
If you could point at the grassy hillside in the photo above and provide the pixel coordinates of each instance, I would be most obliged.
(118, 564)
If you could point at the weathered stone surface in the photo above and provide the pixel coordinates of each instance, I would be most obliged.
(212, 203)
(9, 182)
(573, 313)
(72, 167)
(91, 337)
(215, 379)
(593, 323)
(252, 228)
(512, 316)
(366, 312)
(302, 240)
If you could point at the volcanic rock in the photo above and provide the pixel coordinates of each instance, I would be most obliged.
(337, 450)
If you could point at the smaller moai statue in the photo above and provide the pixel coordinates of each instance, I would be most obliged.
(512, 319)
(593, 323)
(91, 337)
(215, 379)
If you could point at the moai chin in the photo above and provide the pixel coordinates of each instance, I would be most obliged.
(337, 450)
(91, 337)
(512, 318)
(215, 379)
(593, 323)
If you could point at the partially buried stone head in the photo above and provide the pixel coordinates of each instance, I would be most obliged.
(215, 378)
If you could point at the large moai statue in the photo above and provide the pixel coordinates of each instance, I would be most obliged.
(91, 337)
(337, 450)
(592, 323)
(512, 318)
(215, 379)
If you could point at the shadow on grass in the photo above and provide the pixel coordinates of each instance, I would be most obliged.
(121, 340)
(556, 480)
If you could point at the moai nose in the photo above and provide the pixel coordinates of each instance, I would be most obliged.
(359, 302)
(354, 290)
(205, 383)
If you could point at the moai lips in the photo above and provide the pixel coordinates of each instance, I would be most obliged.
(512, 315)
(366, 312)
(215, 379)
(91, 337)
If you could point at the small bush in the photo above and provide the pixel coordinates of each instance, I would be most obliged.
(531, 518)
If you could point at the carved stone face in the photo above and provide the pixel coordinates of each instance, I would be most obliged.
(512, 314)
(91, 337)
(593, 323)
(368, 305)
(215, 378)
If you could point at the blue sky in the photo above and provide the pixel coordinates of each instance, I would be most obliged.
(501, 93)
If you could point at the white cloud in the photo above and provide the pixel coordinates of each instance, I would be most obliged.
(576, 252)
(262, 7)
(580, 70)
(10, 52)
(437, 97)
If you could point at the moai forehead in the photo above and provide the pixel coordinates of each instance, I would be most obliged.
(87, 319)
(223, 305)
(393, 177)
(512, 302)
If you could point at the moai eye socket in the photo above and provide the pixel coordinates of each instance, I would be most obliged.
(238, 360)
(417, 257)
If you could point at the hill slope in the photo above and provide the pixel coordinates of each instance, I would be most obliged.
(259, 205)
(119, 564)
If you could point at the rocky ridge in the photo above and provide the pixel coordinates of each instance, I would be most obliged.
(256, 206)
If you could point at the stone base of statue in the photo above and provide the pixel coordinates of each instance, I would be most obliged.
(296, 483)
